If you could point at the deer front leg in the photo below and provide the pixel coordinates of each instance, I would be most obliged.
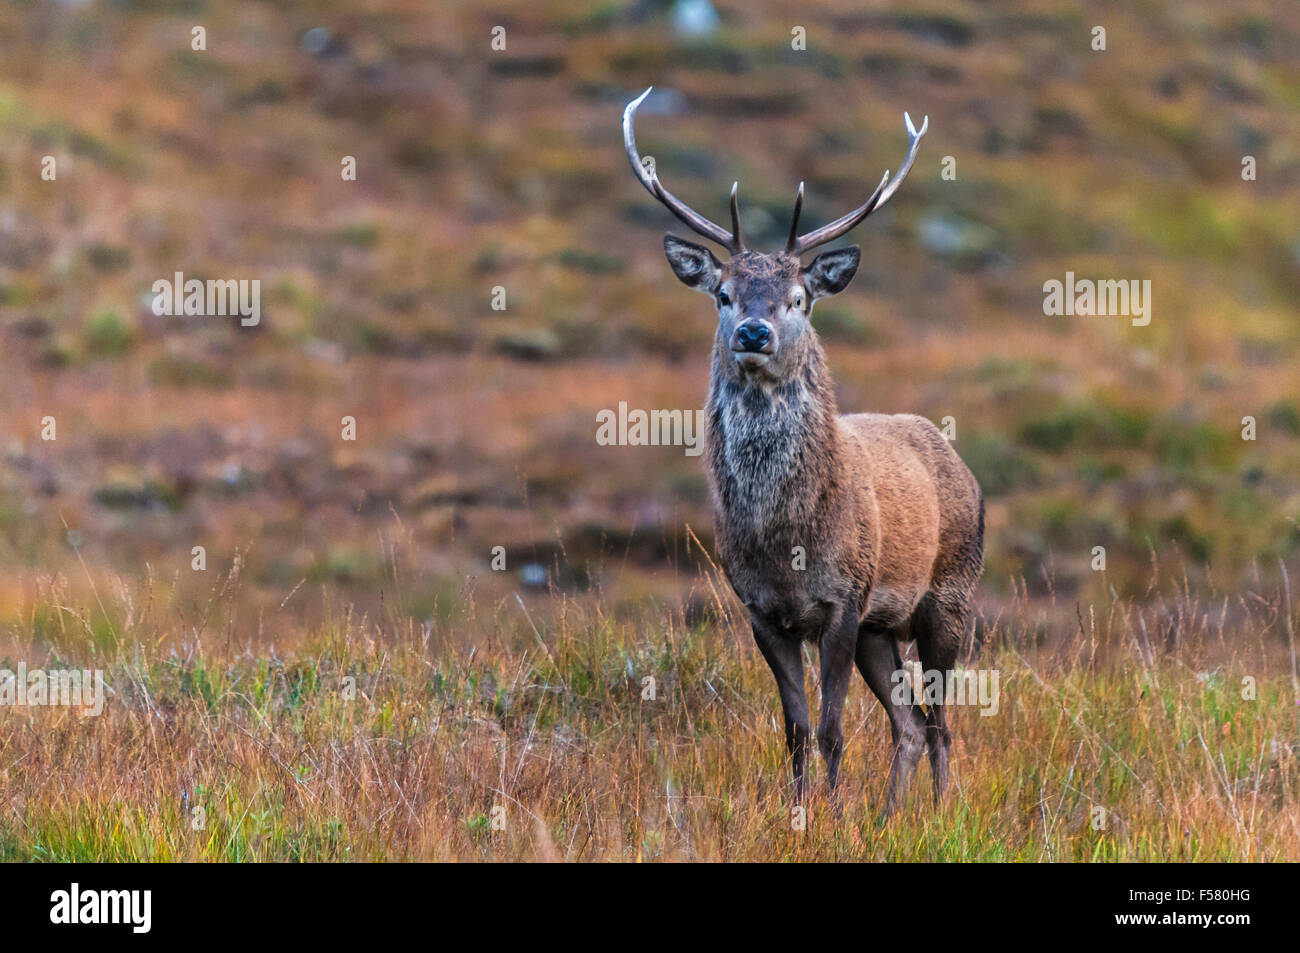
(838, 645)
(786, 661)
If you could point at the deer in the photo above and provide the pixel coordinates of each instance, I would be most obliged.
(856, 533)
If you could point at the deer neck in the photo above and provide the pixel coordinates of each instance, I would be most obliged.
(774, 454)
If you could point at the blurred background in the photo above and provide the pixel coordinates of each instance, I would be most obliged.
(481, 169)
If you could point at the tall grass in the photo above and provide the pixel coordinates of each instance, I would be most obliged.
(524, 730)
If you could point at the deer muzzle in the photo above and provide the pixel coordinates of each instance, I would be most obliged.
(753, 339)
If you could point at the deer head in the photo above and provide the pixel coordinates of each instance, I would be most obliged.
(764, 301)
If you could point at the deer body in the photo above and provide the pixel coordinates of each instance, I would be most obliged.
(852, 532)
(866, 510)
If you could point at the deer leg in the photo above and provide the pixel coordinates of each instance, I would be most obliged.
(940, 628)
(837, 648)
(786, 661)
(878, 660)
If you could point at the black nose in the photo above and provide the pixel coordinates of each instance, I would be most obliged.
(753, 336)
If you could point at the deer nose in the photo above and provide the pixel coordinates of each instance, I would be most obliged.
(753, 336)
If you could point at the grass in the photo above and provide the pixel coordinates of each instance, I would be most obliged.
(525, 731)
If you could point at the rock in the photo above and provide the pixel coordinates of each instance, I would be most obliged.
(966, 243)
(538, 344)
(694, 18)
(319, 41)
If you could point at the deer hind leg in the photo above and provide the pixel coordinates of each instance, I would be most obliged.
(878, 661)
(939, 625)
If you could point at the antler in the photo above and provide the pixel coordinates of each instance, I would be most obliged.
(692, 219)
(827, 233)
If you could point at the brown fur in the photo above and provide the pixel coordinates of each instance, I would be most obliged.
(889, 519)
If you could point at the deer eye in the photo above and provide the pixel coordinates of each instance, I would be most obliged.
(796, 298)
(724, 299)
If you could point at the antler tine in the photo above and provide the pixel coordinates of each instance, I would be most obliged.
(692, 219)
(735, 220)
(913, 146)
(792, 241)
(884, 191)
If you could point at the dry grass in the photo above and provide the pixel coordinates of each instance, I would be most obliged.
(536, 708)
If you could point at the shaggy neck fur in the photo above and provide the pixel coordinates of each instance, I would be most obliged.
(773, 447)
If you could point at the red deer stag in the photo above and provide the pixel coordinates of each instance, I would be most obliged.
(853, 532)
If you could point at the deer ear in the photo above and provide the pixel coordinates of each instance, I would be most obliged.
(831, 272)
(694, 265)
